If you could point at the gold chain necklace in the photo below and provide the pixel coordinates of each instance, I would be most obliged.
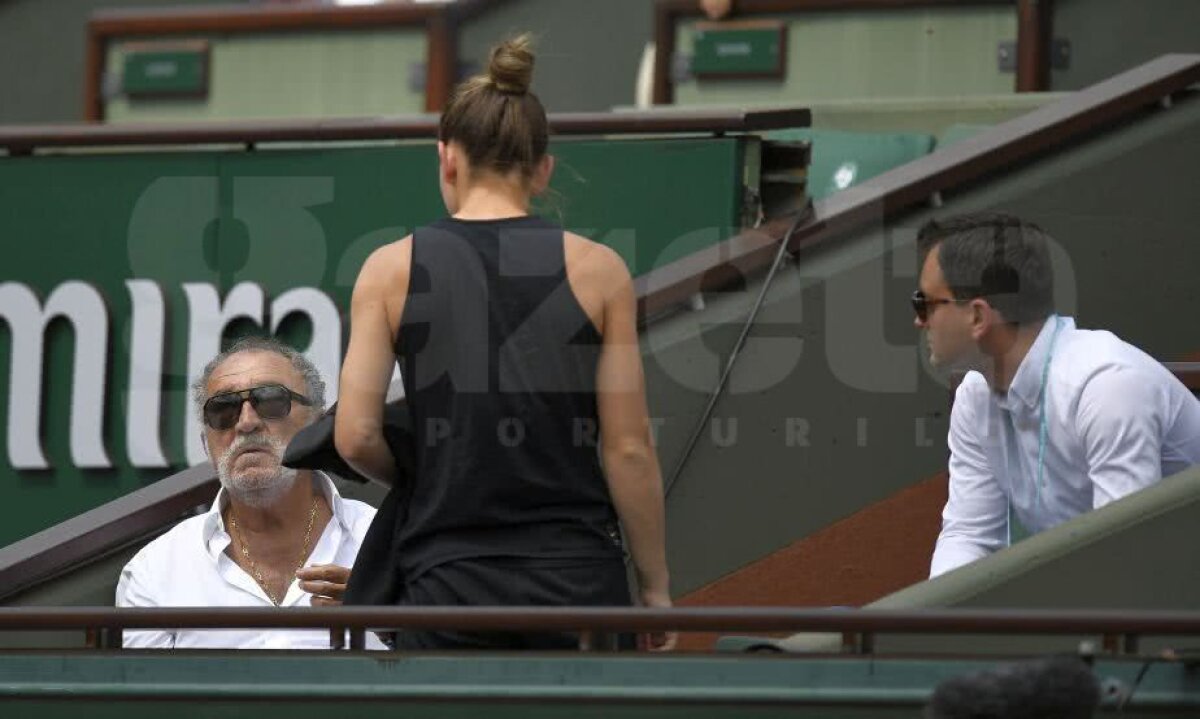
(254, 570)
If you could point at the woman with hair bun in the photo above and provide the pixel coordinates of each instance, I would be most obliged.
(519, 352)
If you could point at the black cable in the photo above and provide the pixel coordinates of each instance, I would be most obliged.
(801, 216)
(1136, 683)
(1168, 655)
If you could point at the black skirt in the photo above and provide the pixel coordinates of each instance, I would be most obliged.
(513, 582)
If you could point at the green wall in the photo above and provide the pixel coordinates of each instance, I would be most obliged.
(292, 75)
(895, 53)
(193, 227)
(317, 684)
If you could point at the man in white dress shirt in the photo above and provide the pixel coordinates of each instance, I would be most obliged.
(274, 536)
(1050, 420)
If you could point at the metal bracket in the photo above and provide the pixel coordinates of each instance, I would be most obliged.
(416, 77)
(1060, 55)
(111, 85)
(681, 68)
(1006, 56)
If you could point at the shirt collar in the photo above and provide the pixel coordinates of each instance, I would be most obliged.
(1027, 382)
(216, 537)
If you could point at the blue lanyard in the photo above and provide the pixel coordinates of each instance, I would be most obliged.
(1058, 323)
(1042, 431)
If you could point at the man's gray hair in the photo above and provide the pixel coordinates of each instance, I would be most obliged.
(314, 385)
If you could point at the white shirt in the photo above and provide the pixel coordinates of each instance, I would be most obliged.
(188, 567)
(1116, 422)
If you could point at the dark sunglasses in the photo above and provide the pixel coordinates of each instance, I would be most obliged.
(270, 401)
(922, 305)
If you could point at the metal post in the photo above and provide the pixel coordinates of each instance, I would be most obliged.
(1111, 643)
(867, 643)
(849, 642)
(358, 639)
(587, 641)
(112, 637)
(1130, 644)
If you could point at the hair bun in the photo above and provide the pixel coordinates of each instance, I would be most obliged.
(511, 67)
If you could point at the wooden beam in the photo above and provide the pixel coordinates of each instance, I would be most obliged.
(665, 18)
(1033, 45)
(93, 76)
(441, 63)
(743, 8)
(257, 18)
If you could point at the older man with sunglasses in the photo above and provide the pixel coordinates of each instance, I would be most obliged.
(1049, 421)
(274, 536)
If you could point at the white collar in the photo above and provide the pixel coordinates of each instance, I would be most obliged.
(1026, 384)
(215, 536)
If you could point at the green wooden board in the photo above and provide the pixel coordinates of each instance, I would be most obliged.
(188, 228)
(157, 73)
(739, 52)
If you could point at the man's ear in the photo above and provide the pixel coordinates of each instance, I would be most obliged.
(204, 441)
(982, 317)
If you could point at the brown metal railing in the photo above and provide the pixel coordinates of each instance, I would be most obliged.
(1120, 629)
(23, 140)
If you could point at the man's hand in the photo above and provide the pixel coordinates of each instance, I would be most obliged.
(325, 582)
(657, 641)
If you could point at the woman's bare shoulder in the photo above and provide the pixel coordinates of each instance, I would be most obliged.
(593, 259)
(390, 259)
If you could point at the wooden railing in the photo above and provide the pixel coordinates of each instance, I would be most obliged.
(24, 140)
(1120, 630)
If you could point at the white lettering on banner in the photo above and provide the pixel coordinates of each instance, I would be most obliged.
(325, 348)
(734, 49)
(81, 305)
(162, 69)
(84, 307)
(207, 320)
(145, 375)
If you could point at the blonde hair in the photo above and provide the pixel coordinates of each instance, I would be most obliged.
(500, 124)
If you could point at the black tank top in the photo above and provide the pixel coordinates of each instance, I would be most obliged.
(499, 366)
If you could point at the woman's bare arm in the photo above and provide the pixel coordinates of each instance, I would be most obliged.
(630, 460)
(370, 359)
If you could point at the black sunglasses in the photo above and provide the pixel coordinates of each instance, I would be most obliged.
(270, 401)
(922, 304)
